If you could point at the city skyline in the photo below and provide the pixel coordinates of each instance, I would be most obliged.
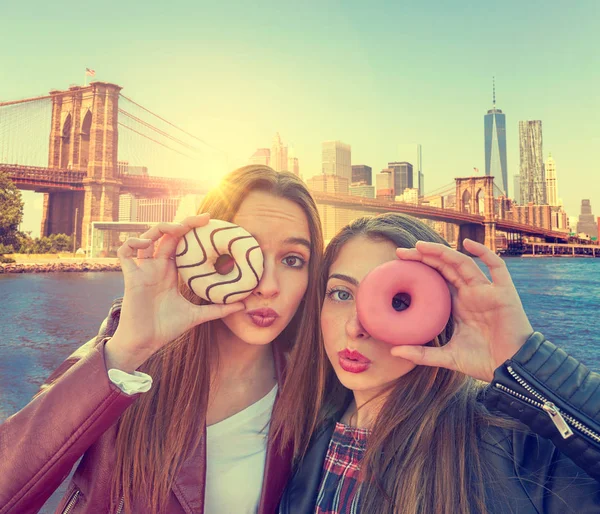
(221, 86)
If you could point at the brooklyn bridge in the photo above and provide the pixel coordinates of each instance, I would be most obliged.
(95, 137)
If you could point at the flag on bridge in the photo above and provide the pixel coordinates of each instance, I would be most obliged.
(90, 73)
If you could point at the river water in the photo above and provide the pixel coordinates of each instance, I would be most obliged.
(44, 317)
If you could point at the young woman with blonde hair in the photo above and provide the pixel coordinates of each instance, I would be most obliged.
(189, 431)
(410, 429)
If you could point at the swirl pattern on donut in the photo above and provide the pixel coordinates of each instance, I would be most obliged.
(198, 251)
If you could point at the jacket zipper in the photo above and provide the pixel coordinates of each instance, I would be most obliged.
(121, 503)
(72, 501)
(561, 420)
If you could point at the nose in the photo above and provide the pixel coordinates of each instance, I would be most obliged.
(268, 286)
(354, 328)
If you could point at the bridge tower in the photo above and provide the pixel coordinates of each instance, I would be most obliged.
(84, 137)
(475, 195)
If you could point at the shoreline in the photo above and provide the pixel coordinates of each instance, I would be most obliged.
(60, 265)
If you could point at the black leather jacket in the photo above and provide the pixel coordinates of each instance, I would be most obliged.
(554, 467)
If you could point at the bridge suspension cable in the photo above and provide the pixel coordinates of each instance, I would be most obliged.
(24, 130)
(156, 129)
(447, 188)
(154, 140)
(169, 123)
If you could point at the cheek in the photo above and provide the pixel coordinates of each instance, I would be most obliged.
(295, 285)
(330, 327)
(393, 367)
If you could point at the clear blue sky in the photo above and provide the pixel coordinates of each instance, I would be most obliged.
(372, 74)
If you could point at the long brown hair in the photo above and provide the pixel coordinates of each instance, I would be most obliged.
(167, 423)
(422, 455)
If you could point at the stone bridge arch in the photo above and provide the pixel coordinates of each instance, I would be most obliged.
(475, 195)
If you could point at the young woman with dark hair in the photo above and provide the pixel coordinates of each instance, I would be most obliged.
(416, 429)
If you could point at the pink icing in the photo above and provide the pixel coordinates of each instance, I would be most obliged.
(425, 317)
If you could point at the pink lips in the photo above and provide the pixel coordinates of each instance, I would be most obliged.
(263, 317)
(353, 361)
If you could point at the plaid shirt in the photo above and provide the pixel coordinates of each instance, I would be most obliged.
(340, 485)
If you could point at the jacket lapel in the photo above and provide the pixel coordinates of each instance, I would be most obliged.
(190, 483)
(278, 465)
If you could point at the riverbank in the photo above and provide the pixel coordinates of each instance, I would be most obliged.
(57, 263)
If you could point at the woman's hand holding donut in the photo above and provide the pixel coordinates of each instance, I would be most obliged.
(490, 322)
(153, 311)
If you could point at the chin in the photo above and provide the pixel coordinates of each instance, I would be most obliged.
(355, 381)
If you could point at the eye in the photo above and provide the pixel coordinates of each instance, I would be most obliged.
(293, 261)
(401, 302)
(339, 295)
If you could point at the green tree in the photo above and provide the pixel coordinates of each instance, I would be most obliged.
(11, 210)
(61, 243)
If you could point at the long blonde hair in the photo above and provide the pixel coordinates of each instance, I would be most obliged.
(167, 423)
(422, 454)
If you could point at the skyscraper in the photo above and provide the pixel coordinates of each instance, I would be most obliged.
(551, 185)
(494, 123)
(402, 176)
(293, 164)
(587, 222)
(517, 188)
(412, 152)
(279, 154)
(384, 184)
(362, 173)
(336, 159)
(533, 181)
(261, 156)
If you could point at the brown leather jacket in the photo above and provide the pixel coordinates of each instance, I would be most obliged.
(73, 415)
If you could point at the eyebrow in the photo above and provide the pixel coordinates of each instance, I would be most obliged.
(298, 241)
(345, 278)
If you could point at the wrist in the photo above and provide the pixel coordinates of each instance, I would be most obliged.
(118, 356)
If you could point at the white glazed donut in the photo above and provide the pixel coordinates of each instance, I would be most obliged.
(198, 251)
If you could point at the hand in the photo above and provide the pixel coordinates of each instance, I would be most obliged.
(154, 312)
(490, 323)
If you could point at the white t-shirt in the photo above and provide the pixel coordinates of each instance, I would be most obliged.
(236, 449)
(235, 459)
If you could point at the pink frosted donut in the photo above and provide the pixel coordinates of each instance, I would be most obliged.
(381, 303)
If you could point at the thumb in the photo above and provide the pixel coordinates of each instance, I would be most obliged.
(204, 313)
(425, 356)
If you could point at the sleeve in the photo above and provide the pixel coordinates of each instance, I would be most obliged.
(130, 383)
(528, 470)
(40, 444)
(555, 395)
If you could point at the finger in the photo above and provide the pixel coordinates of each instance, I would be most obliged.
(196, 221)
(168, 234)
(447, 271)
(425, 356)
(204, 313)
(129, 249)
(160, 229)
(436, 254)
(497, 266)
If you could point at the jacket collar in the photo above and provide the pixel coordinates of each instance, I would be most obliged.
(190, 484)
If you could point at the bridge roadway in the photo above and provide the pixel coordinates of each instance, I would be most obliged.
(45, 180)
(433, 213)
(41, 179)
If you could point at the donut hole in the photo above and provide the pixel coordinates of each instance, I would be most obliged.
(224, 264)
(401, 302)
